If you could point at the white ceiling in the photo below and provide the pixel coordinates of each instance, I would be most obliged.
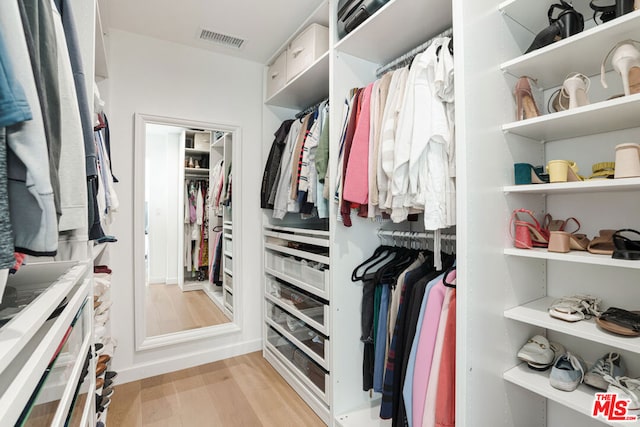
(264, 24)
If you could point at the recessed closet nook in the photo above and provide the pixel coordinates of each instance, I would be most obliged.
(346, 201)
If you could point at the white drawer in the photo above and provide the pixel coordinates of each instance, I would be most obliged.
(277, 74)
(306, 48)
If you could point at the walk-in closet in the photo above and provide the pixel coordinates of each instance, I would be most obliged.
(322, 212)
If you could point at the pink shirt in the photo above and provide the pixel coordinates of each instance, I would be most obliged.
(356, 181)
(426, 347)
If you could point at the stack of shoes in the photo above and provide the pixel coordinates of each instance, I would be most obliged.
(104, 344)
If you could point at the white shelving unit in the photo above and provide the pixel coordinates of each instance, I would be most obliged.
(396, 28)
(532, 279)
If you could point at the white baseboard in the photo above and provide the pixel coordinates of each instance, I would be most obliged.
(177, 363)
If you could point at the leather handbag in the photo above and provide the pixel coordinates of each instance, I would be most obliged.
(352, 13)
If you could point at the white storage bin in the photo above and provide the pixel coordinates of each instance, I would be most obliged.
(274, 261)
(293, 268)
(202, 141)
(228, 245)
(313, 277)
(310, 45)
(277, 75)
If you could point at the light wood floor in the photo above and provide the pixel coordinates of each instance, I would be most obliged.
(171, 310)
(242, 391)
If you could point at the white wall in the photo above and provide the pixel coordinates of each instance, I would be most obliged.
(162, 170)
(150, 76)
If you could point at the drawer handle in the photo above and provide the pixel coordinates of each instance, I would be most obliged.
(274, 75)
(297, 52)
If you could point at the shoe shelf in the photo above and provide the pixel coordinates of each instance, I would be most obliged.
(532, 15)
(573, 256)
(582, 52)
(421, 20)
(580, 400)
(606, 116)
(595, 186)
(535, 313)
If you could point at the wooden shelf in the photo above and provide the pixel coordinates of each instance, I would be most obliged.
(606, 116)
(582, 52)
(307, 88)
(573, 256)
(580, 400)
(535, 313)
(396, 28)
(596, 186)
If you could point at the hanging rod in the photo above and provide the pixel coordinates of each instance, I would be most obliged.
(415, 235)
(412, 53)
(309, 109)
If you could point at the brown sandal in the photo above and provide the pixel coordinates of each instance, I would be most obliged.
(603, 244)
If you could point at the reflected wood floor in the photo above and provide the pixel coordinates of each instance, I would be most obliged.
(242, 391)
(171, 310)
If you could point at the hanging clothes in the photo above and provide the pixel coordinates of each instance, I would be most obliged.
(31, 201)
(273, 163)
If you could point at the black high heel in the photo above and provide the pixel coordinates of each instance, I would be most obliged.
(566, 24)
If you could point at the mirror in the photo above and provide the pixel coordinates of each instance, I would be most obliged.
(183, 230)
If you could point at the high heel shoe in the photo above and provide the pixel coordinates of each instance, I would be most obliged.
(527, 234)
(575, 88)
(625, 59)
(563, 171)
(566, 24)
(529, 174)
(526, 107)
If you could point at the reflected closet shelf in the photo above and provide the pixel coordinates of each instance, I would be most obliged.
(535, 313)
(600, 117)
(596, 186)
(580, 400)
(573, 256)
(582, 52)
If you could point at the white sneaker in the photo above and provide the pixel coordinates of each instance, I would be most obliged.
(625, 388)
(568, 372)
(539, 353)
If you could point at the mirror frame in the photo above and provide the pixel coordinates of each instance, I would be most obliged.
(142, 342)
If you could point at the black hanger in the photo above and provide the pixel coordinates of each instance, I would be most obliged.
(381, 251)
(444, 278)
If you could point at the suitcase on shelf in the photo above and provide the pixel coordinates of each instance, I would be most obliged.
(352, 13)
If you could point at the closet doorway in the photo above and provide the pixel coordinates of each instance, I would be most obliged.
(183, 230)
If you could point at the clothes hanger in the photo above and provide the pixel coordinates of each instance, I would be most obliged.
(444, 278)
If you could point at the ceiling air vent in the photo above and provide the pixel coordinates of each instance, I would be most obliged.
(221, 39)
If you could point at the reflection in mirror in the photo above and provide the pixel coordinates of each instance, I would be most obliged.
(188, 241)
